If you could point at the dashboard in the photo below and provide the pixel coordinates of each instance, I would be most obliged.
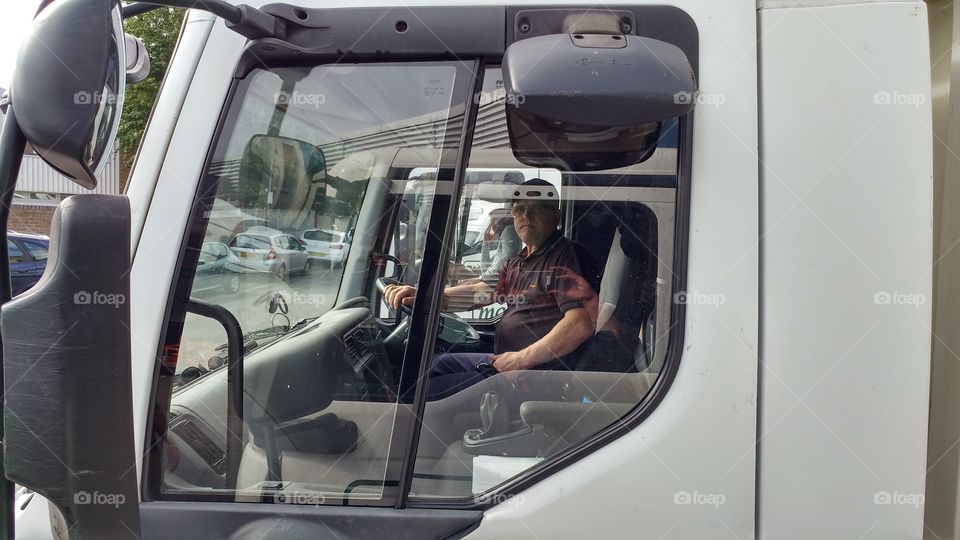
(337, 356)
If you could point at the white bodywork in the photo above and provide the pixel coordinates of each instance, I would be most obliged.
(847, 189)
(807, 200)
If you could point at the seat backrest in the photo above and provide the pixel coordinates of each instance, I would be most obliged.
(628, 287)
(614, 274)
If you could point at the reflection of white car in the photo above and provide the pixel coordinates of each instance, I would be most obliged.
(326, 245)
(269, 250)
(217, 268)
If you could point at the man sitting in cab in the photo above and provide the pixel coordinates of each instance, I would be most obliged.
(549, 289)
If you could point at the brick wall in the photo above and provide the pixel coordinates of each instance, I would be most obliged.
(31, 219)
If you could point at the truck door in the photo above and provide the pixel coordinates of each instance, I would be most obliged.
(295, 409)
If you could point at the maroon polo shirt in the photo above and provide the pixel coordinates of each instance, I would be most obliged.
(539, 288)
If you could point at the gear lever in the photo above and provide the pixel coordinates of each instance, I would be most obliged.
(494, 416)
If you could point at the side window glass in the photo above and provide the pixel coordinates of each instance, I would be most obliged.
(413, 215)
(315, 153)
(14, 253)
(208, 254)
(37, 250)
(575, 271)
(486, 237)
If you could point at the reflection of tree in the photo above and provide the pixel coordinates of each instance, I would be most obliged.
(282, 174)
(158, 30)
(302, 192)
(252, 191)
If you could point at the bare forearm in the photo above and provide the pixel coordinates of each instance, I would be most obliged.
(573, 329)
(467, 296)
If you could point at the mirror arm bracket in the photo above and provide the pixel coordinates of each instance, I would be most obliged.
(256, 24)
(245, 20)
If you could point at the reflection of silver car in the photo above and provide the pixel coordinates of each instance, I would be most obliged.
(327, 245)
(217, 268)
(269, 250)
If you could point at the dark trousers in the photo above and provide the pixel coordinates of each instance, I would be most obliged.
(453, 372)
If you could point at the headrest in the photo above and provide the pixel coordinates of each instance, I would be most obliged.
(638, 235)
(633, 240)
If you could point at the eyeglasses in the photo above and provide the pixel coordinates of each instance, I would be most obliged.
(530, 209)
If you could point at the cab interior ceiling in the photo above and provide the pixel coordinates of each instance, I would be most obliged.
(360, 34)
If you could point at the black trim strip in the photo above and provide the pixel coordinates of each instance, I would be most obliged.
(214, 520)
(431, 301)
(172, 329)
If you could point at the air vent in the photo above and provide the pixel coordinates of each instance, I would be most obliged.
(212, 453)
(356, 344)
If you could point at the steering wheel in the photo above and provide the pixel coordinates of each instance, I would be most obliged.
(453, 329)
(382, 284)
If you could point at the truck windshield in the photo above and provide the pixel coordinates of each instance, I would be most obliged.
(290, 176)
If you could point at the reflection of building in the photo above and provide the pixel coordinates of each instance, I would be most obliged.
(40, 189)
(434, 130)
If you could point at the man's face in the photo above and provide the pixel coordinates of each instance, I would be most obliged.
(534, 220)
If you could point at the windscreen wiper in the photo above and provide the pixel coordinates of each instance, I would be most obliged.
(250, 339)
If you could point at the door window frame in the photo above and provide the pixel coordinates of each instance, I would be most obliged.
(404, 432)
(443, 220)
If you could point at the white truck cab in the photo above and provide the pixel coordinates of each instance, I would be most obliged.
(748, 200)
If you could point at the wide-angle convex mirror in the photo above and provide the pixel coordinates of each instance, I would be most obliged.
(592, 101)
(67, 88)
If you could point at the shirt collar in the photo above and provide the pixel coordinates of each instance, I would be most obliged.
(547, 245)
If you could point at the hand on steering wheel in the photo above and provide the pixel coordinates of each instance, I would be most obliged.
(396, 295)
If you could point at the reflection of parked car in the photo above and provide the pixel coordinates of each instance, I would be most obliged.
(28, 259)
(327, 245)
(269, 250)
(217, 268)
